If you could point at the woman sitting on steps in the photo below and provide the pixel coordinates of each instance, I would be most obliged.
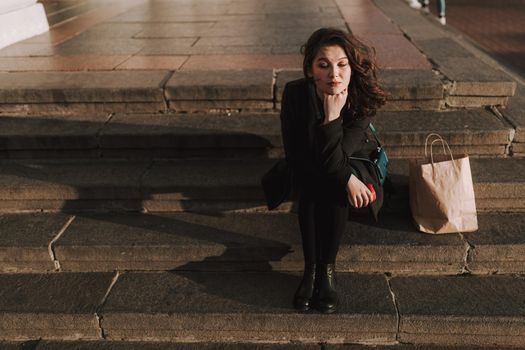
(324, 119)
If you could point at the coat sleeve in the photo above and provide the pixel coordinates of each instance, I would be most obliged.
(287, 130)
(337, 141)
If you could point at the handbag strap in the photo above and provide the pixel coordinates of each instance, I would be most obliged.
(374, 132)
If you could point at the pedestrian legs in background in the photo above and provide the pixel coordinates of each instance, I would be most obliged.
(441, 11)
(425, 4)
(417, 4)
(440, 5)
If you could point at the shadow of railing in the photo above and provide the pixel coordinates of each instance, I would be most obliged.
(209, 245)
(257, 253)
(192, 144)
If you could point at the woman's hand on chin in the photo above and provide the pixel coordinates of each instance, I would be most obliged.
(333, 104)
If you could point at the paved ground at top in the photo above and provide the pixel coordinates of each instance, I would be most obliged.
(498, 26)
(205, 34)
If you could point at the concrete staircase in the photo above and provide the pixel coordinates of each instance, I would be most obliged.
(151, 227)
(132, 216)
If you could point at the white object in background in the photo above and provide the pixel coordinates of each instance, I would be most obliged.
(20, 20)
(415, 4)
(13, 5)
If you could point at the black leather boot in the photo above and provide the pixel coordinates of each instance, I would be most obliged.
(304, 295)
(327, 296)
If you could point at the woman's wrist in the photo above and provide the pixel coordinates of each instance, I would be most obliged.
(330, 118)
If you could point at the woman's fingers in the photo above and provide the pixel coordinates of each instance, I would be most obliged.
(369, 196)
(366, 200)
(359, 195)
(372, 196)
(333, 104)
(359, 200)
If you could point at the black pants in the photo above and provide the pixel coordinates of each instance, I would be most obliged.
(322, 221)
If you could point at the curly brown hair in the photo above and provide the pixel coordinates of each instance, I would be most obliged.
(364, 92)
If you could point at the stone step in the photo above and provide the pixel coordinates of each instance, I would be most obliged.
(409, 89)
(107, 242)
(203, 185)
(156, 345)
(67, 93)
(256, 307)
(476, 132)
(515, 113)
(470, 81)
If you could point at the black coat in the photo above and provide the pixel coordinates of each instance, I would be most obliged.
(318, 153)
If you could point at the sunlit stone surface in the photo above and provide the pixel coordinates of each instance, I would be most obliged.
(20, 20)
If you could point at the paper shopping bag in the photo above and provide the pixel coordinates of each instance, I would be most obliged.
(442, 193)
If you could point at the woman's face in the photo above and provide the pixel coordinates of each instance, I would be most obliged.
(331, 70)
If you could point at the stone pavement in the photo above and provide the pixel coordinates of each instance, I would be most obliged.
(497, 26)
(254, 307)
(133, 136)
(156, 38)
(200, 184)
(97, 345)
(205, 35)
(105, 242)
(145, 136)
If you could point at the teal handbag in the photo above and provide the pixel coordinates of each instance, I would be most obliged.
(378, 159)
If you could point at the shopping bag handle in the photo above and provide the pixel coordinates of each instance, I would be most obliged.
(444, 143)
(438, 138)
